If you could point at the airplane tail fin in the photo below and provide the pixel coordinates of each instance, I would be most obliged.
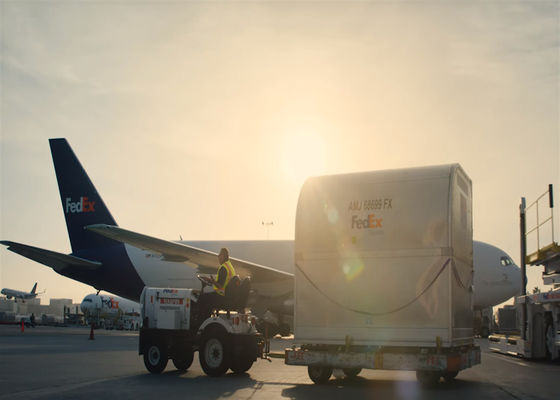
(81, 204)
(34, 288)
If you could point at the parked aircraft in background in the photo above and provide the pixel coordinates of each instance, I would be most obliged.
(120, 261)
(19, 294)
(499, 280)
(108, 306)
(493, 285)
(113, 311)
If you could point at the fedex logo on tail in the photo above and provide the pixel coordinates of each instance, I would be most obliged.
(83, 205)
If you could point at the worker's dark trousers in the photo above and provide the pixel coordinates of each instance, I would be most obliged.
(237, 292)
(236, 296)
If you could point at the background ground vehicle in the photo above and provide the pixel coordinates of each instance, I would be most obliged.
(535, 318)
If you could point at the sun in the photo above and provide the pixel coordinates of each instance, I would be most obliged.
(303, 155)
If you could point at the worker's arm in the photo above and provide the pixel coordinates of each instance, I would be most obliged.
(220, 278)
(222, 274)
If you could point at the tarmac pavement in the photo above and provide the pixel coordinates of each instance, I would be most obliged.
(61, 363)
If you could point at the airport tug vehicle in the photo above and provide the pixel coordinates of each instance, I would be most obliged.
(176, 324)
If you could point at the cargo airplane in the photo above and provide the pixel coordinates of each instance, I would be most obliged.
(19, 294)
(108, 306)
(121, 261)
(121, 312)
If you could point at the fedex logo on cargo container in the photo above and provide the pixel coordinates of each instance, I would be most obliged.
(83, 205)
(371, 222)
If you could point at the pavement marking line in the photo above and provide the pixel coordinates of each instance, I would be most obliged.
(510, 361)
(510, 393)
(49, 391)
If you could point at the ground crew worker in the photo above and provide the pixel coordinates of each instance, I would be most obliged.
(226, 273)
(229, 291)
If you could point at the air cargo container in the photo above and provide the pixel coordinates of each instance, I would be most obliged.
(384, 273)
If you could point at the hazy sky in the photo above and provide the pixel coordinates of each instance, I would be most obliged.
(203, 119)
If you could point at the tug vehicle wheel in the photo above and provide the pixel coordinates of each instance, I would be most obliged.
(241, 365)
(215, 352)
(184, 361)
(155, 358)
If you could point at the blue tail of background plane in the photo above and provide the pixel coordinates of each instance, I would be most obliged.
(81, 204)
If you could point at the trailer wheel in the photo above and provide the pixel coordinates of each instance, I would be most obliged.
(184, 360)
(351, 372)
(319, 374)
(214, 352)
(450, 376)
(428, 379)
(155, 358)
(241, 364)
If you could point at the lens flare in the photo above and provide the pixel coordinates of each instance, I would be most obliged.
(332, 215)
(352, 269)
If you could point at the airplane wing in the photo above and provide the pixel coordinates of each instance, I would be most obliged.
(57, 261)
(268, 281)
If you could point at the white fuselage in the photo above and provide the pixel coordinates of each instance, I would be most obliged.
(106, 306)
(496, 277)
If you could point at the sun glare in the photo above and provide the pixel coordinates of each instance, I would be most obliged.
(303, 155)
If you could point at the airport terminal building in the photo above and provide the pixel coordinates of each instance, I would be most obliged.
(11, 311)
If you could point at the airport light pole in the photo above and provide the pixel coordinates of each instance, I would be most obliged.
(523, 246)
(267, 225)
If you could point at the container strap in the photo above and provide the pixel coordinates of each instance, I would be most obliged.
(458, 279)
(377, 313)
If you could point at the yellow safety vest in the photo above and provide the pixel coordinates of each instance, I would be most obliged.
(230, 274)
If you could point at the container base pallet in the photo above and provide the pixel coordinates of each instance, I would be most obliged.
(396, 359)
